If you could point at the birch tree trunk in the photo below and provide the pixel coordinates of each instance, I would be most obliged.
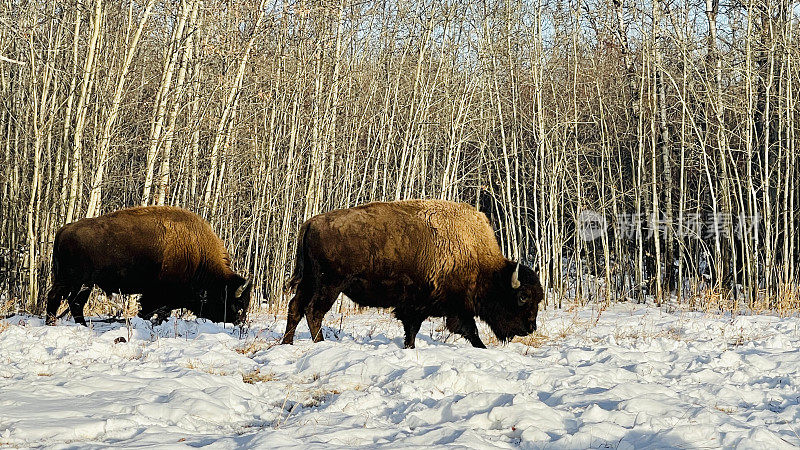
(162, 98)
(93, 208)
(80, 121)
(219, 136)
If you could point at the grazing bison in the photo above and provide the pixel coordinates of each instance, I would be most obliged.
(169, 255)
(421, 257)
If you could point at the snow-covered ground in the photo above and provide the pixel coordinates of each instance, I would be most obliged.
(630, 377)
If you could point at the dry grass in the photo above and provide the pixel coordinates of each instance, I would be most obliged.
(738, 341)
(582, 327)
(250, 348)
(488, 338)
(741, 338)
(256, 376)
(319, 396)
(713, 300)
(785, 301)
(6, 307)
(726, 409)
(543, 336)
(101, 305)
(316, 397)
(4, 326)
(196, 365)
(642, 334)
(536, 340)
(251, 377)
(788, 302)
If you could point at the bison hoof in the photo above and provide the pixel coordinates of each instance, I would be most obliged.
(289, 341)
(476, 342)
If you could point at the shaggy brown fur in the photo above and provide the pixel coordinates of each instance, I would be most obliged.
(169, 255)
(423, 258)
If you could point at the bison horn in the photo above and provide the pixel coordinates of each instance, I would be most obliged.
(241, 289)
(515, 278)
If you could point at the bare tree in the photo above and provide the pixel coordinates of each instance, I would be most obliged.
(674, 122)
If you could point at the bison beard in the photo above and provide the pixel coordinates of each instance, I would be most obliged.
(422, 258)
(169, 255)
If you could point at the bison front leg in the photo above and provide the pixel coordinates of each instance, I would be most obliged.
(466, 327)
(411, 325)
(77, 300)
(314, 318)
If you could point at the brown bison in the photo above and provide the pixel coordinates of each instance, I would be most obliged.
(421, 257)
(169, 255)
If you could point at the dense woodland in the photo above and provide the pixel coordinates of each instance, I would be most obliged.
(674, 120)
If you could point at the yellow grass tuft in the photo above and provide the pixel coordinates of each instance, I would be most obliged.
(788, 302)
(725, 409)
(100, 304)
(536, 340)
(319, 396)
(196, 365)
(257, 376)
(249, 348)
(6, 307)
(784, 301)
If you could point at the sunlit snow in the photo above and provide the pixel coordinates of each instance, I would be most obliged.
(628, 377)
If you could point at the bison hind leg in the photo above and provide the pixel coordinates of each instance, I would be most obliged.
(466, 327)
(320, 304)
(296, 310)
(54, 296)
(77, 300)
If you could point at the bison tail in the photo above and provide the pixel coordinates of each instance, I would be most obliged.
(54, 269)
(299, 258)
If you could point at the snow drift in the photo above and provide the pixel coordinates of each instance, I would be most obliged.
(631, 377)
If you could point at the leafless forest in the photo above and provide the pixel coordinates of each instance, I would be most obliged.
(673, 120)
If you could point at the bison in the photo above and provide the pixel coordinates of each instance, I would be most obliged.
(422, 258)
(169, 255)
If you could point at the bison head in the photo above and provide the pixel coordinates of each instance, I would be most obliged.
(229, 302)
(513, 310)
